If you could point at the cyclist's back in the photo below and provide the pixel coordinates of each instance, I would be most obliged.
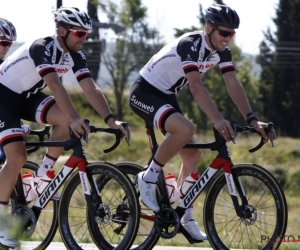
(167, 69)
(23, 70)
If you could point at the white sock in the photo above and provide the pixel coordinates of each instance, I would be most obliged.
(152, 172)
(48, 163)
(188, 215)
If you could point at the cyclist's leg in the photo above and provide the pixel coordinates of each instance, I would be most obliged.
(43, 109)
(190, 159)
(158, 109)
(11, 138)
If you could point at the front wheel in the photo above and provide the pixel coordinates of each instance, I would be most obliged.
(116, 228)
(264, 219)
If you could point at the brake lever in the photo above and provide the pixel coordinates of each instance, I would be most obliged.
(272, 140)
(127, 135)
(234, 128)
(271, 132)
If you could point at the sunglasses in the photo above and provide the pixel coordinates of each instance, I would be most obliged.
(79, 33)
(6, 43)
(225, 33)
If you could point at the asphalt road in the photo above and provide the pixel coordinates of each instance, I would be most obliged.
(60, 246)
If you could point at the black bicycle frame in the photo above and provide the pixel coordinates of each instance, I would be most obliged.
(77, 159)
(222, 160)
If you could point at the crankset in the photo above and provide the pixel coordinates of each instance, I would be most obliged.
(26, 217)
(167, 223)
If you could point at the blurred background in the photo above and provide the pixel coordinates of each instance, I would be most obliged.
(126, 33)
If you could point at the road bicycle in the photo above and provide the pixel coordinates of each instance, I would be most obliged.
(40, 233)
(243, 201)
(85, 214)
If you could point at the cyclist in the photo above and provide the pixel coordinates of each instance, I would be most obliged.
(24, 74)
(153, 98)
(8, 35)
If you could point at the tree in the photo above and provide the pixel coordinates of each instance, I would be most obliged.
(135, 44)
(280, 78)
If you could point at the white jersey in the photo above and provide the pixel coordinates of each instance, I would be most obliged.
(22, 71)
(166, 70)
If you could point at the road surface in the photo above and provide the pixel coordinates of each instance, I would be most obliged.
(60, 246)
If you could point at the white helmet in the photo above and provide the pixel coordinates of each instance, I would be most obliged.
(7, 30)
(73, 16)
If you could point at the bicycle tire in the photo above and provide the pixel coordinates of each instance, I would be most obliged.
(41, 230)
(92, 230)
(143, 240)
(218, 194)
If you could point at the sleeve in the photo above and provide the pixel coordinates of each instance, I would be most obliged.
(225, 63)
(80, 67)
(40, 53)
(188, 49)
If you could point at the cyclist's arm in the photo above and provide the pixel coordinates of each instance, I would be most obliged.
(39, 52)
(61, 96)
(202, 96)
(95, 96)
(239, 97)
(188, 49)
(92, 92)
(237, 92)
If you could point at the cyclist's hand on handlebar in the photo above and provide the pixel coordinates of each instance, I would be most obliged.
(225, 129)
(79, 126)
(114, 124)
(260, 127)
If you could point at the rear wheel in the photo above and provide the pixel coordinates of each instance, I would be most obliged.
(263, 221)
(115, 229)
(147, 236)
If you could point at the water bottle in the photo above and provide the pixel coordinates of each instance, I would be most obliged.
(171, 184)
(188, 183)
(44, 181)
(28, 188)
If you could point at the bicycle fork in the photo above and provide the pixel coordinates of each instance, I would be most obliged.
(91, 192)
(235, 188)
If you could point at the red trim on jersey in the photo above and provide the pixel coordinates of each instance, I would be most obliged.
(190, 66)
(229, 66)
(162, 115)
(83, 74)
(43, 110)
(43, 69)
(11, 136)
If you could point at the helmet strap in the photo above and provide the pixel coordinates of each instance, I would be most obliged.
(65, 40)
(209, 38)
